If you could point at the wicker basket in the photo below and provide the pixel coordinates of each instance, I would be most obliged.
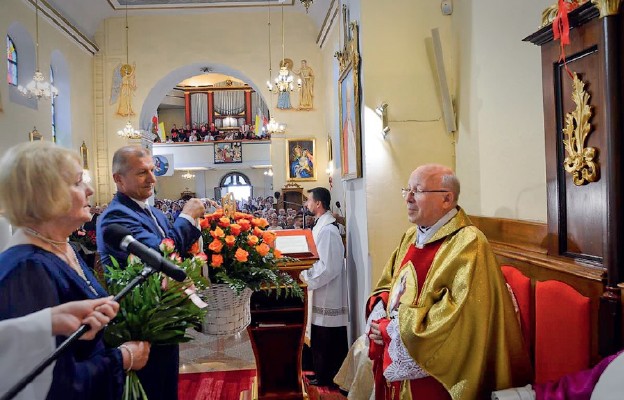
(228, 313)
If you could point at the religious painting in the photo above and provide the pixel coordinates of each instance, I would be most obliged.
(349, 100)
(300, 156)
(163, 164)
(35, 135)
(228, 152)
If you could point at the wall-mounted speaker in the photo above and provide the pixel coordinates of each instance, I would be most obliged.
(448, 110)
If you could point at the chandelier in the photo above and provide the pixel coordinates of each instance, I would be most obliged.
(275, 127)
(188, 175)
(128, 131)
(307, 4)
(269, 172)
(284, 80)
(38, 87)
(272, 126)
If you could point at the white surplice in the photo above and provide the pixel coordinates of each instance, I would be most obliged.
(327, 278)
(24, 343)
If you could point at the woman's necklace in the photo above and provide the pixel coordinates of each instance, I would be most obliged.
(72, 259)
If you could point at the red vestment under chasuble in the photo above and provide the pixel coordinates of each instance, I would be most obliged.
(455, 316)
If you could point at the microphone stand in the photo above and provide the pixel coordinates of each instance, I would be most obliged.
(142, 277)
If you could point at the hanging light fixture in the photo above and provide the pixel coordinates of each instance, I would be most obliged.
(273, 126)
(284, 80)
(269, 172)
(38, 87)
(128, 131)
(188, 175)
(307, 4)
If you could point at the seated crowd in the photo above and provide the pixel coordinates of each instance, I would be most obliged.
(210, 133)
(260, 207)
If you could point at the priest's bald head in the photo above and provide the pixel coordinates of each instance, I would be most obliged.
(431, 192)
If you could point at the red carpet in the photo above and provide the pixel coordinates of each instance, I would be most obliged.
(321, 392)
(221, 385)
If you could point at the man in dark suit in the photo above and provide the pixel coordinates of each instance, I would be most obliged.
(133, 173)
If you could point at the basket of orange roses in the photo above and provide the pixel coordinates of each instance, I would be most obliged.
(242, 259)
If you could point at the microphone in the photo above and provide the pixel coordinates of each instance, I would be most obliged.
(120, 237)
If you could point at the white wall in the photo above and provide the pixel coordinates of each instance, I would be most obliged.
(17, 120)
(500, 147)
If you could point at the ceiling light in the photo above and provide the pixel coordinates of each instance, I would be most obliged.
(307, 4)
(38, 87)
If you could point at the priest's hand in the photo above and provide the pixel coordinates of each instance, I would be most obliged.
(375, 333)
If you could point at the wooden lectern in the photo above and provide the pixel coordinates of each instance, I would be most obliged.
(278, 325)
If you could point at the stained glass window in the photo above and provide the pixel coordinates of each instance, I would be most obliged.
(11, 61)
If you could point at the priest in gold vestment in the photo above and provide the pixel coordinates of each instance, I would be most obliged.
(442, 323)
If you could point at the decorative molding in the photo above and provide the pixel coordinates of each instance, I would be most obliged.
(577, 17)
(580, 162)
(607, 7)
(328, 22)
(56, 18)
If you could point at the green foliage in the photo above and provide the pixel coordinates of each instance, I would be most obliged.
(150, 313)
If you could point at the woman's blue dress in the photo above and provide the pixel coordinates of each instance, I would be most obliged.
(31, 279)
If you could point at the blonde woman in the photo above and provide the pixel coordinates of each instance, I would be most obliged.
(44, 197)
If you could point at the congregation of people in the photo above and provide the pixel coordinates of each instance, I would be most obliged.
(210, 133)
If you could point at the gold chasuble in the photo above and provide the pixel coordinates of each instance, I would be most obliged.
(462, 330)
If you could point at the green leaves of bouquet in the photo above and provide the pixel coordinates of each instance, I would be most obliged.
(241, 254)
(158, 311)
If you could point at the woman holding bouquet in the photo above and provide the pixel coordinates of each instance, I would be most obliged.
(44, 196)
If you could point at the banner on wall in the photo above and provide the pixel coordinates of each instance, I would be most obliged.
(161, 132)
(163, 164)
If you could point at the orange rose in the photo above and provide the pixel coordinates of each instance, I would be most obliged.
(217, 233)
(260, 222)
(268, 237)
(204, 224)
(277, 253)
(245, 224)
(235, 229)
(252, 240)
(217, 260)
(194, 248)
(241, 255)
(224, 222)
(216, 246)
(217, 214)
(257, 231)
(230, 240)
(239, 215)
(263, 249)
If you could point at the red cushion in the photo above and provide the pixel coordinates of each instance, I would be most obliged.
(562, 331)
(521, 286)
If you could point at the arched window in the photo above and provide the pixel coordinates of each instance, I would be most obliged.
(236, 183)
(53, 107)
(11, 61)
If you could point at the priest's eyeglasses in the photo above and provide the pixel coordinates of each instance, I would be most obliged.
(405, 192)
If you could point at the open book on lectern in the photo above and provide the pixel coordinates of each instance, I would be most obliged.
(297, 243)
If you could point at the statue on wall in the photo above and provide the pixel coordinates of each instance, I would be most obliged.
(123, 87)
(306, 94)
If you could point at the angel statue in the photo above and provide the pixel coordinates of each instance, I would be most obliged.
(124, 85)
